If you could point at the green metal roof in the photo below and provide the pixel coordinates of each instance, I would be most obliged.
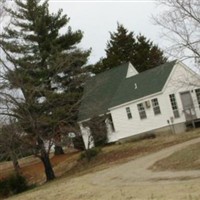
(111, 88)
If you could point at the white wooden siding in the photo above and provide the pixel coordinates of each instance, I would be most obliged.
(180, 80)
(125, 127)
(87, 137)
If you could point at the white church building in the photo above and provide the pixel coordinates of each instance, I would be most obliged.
(164, 98)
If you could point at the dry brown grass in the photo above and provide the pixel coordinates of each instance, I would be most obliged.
(84, 188)
(116, 154)
(122, 182)
(32, 168)
(70, 165)
(185, 159)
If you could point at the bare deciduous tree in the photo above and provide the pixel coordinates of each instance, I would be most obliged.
(180, 21)
(11, 145)
(2, 13)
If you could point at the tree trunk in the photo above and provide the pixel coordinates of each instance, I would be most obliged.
(44, 156)
(58, 150)
(15, 163)
(48, 167)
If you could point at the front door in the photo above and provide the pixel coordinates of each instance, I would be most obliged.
(188, 106)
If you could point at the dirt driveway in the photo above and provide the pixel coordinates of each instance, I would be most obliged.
(127, 181)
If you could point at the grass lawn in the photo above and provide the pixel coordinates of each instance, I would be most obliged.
(185, 159)
(70, 165)
(83, 187)
(115, 154)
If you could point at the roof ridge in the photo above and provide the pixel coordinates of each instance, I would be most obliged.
(135, 79)
(113, 68)
(155, 68)
(127, 63)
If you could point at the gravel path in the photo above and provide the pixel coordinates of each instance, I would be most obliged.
(137, 170)
(127, 181)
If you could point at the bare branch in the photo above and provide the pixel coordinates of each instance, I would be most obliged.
(180, 22)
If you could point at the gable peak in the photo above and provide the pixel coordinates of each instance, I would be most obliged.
(131, 71)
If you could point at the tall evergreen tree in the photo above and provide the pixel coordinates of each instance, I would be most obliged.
(147, 55)
(125, 47)
(46, 67)
(120, 49)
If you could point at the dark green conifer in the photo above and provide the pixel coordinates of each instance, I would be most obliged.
(124, 47)
(46, 67)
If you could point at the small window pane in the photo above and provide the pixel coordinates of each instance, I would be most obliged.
(156, 107)
(174, 105)
(198, 96)
(128, 112)
(176, 114)
(141, 111)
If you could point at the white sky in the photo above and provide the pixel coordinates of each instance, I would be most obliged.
(97, 18)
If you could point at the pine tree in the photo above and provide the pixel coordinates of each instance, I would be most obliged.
(46, 67)
(147, 55)
(125, 47)
(120, 48)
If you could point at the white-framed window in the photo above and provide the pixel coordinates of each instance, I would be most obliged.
(141, 111)
(197, 91)
(156, 107)
(174, 105)
(128, 112)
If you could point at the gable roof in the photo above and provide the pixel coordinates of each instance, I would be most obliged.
(147, 83)
(111, 88)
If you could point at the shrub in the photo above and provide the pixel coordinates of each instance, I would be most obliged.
(13, 184)
(145, 136)
(78, 143)
(90, 153)
(148, 136)
(98, 130)
(100, 139)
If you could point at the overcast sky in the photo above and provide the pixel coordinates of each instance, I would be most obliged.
(97, 18)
